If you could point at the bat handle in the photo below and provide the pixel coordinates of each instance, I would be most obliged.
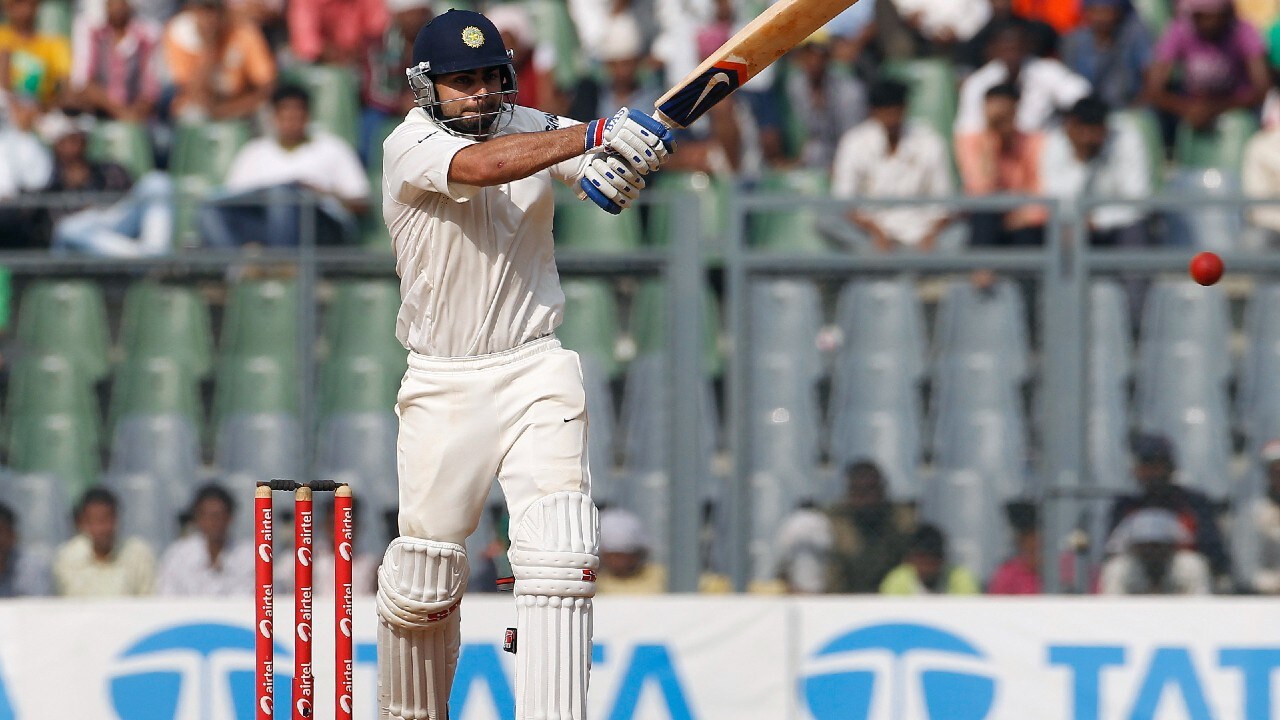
(590, 192)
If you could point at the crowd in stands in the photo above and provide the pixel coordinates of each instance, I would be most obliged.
(1065, 99)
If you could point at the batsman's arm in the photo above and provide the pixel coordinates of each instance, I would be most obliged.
(512, 157)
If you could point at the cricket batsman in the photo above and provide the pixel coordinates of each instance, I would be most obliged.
(467, 197)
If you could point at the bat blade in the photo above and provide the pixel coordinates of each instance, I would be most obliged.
(750, 50)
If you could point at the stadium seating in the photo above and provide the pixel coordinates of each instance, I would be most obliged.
(261, 319)
(53, 423)
(361, 320)
(170, 321)
(43, 504)
(68, 318)
(1110, 367)
(126, 143)
(591, 326)
(990, 322)
(201, 157)
(649, 324)
(1260, 374)
(789, 230)
(54, 17)
(1184, 364)
(1220, 147)
(933, 91)
(583, 226)
(712, 194)
(374, 234)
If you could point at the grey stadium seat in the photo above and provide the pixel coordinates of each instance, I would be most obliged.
(990, 322)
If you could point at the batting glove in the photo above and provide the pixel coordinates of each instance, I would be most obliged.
(609, 183)
(642, 141)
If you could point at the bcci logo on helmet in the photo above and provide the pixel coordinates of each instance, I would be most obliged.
(187, 672)
(902, 670)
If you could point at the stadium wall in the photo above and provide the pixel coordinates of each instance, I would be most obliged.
(695, 658)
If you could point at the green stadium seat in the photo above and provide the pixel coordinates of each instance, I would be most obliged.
(126, 143)
(361, 321)
(1155, 14)
(261, 319)
(591, 322)
(790, 230)
(649, 326)
(202, 156)
(357, 384)
(374, 230)
(54, 17)
(69, 318)
(155, 385)
(53, 424)
(582, 225)
(933, 91)
(553, 25)
(1220, 147)
(167, 321)
(713, 204)
(335, 97)
(247, 384)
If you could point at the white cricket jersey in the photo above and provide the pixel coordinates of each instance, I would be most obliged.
(476, 265)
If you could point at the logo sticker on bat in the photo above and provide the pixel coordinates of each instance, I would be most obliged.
(702, 93)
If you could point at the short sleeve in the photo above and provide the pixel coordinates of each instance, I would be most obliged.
(1173, 43)
(417, 157)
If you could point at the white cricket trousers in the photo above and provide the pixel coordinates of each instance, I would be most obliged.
(520, 415)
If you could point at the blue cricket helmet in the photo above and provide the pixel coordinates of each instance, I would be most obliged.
(455, 41)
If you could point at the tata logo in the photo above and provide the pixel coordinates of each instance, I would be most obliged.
(899, 670)
(189, 672)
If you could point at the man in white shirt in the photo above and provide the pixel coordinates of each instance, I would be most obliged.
(944, 24)
(96, 563)
(1152, 558)
(1047, 86)
(467, 197)
(270, 175)
(888, 156)
(25, 167)
(207, 563)
(1090, 158)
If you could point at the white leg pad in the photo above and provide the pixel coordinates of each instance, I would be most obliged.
(554, 557)
(420, 586)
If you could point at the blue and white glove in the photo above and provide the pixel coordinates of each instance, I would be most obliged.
(644, 142)
(609, 183)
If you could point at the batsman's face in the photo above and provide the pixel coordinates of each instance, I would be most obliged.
(472, 97)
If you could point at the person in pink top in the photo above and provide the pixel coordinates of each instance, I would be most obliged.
(1220, 60)
(1020, 574)
(335, 31)
(1002, 160)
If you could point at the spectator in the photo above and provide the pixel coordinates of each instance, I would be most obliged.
(364, 567)
(1260, 178)
(926, 572)
(534, 62)
(1149, 559)
(824, 102)
(207, 562)
(939, 27)
(1154, 466)
(96, 563)
(76, 179)
(1219, 60)
(25, 167)
(623, 84)
(888, 156)
(1261, 520)
(334, 31)
(624, 559)
(870, 534)
(1062, 15)
(1111, 51)
(220, 63)
(1041, 37)
(22, 572)
(1045, 85)
(384, 94)
(139, 225)
(805, 541)
(1086, 159)
(1020, 574)
(114, 71)
(278, 169)
(1002, 160)
(38, 64)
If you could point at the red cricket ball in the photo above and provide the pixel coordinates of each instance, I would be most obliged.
(1206, 268)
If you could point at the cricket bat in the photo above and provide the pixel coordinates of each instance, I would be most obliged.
(752, 49)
